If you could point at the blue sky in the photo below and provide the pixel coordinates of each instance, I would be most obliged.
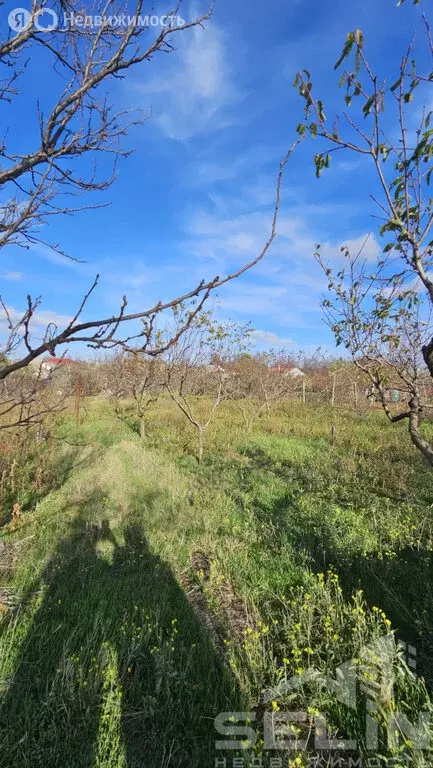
(195, 199)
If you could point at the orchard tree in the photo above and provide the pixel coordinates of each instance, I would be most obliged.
(133, 377)
(194, 373)
(27, 399)
(255, 382)
(381, 312)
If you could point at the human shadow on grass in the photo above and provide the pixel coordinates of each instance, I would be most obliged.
(115, 668)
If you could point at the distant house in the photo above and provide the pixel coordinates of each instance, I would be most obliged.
(294, 372)
(50, 364)
(215, 369)
(288, 370)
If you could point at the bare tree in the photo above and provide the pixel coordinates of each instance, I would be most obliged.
(385, 328)
(255, 382)
(87, 53)
(381, 312)
(105, 333)
(138, 379)
(26, 399)
(194, 377)
(345, 382)
(81, 126)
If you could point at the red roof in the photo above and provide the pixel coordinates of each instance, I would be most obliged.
(281, 367)
(59, 360)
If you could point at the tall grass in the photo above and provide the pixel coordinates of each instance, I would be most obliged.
(124, 650)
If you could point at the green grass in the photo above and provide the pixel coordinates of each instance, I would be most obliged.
(123, 651)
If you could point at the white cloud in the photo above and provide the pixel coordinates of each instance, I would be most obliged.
(220, 237)
(223, 238)
(12, 276)
(46, 317)
(193, 93)
(284, 303)
(285, 288)
(366, 245)
(269, 339)
(40, 319)
(241, 242)
(248, 162)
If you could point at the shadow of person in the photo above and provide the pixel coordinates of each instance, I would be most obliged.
(114, 667)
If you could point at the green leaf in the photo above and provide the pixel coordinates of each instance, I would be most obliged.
(396, 84)
(359, 37)
(322, 115)
(368, 105)
(346, 49)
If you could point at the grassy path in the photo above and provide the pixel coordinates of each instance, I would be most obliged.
(155, 594)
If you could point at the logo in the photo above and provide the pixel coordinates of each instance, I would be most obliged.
(44, 20)
(19, 19)
(47, 20)
(364, 686)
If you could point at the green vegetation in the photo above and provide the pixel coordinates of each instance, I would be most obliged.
(155, 593)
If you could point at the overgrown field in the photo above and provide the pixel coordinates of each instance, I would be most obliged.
(143, 594)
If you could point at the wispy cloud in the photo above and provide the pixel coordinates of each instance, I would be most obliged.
(224, 238)
(267, 339)
(249, 162)
(193, 93)
(285, 289)
(12, 276)
(39, 323)
(366, 245)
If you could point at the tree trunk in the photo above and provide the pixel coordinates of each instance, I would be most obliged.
(355, 394)
(334, 376)
(200, 431)
(333, 435)
(142, 427)
(414, 430)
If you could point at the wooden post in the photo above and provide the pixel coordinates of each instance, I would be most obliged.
(334, 376)
(303, 391)
(78, 394)
(355, 394)
(333, 435)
